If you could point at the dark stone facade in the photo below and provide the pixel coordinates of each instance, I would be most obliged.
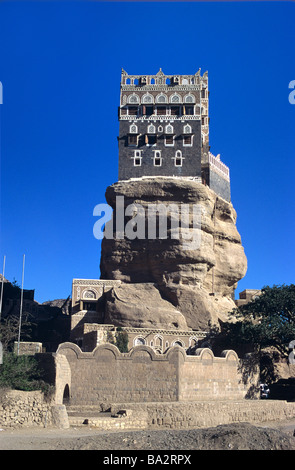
(164, 130)
(216, 182)
(191, 155)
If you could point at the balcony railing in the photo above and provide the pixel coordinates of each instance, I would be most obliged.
(218, 165)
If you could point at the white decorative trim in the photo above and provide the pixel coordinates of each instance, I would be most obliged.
(177, 96)
(164, 117)
(137, 155)
(140, 340)
(160, 96)
(157, 156)
(189, 98)
(188, 145)
(169, 129)
(133, 129)
(151, 129)
(187, 129)
(90, 294)
(178, 156)
(133, 99)
(147, 96)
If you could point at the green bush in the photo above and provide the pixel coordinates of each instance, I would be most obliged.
(122, 340)
(20, 373)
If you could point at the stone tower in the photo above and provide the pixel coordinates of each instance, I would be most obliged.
(164, 130)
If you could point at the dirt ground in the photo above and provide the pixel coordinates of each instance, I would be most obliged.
(240, 436)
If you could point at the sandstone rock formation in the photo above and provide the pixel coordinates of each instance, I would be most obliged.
(194, 282)
(141, 306)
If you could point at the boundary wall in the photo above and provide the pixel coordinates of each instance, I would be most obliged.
(107, 376)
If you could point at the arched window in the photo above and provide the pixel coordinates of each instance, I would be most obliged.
(175, 98)
(133, 99)
(178, 343)
(178, 158)
(157, 158)
(158, 341)
(147, 98)
(169, 129)
(161, 98)
(187, 129)
(151, 129)
(133, 129)
(89, 294)
(139, 341)
(189, 98)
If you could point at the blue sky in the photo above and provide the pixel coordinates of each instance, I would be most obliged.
(60, 66)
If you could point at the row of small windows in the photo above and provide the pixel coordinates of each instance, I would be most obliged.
(160, 98)
(151, 110)
(157, 158)
(151, 129)
(158, 342)
(162, 80)
(151, 139)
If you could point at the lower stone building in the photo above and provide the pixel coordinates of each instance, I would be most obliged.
(247, 296)
(88, 329)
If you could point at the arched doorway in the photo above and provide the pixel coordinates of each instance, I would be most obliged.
(66, 395)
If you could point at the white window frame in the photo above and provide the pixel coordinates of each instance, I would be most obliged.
(175, 95)
(151, 129)
(189, 99)
(135, 97)
(161, 95)
(187, 129)
(169, 145)
(192, 139)
(137, 155)
(178, 155)
(135, 129)
(157, 155)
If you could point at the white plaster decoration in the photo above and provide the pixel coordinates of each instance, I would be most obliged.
(151, 129)
(138, 341)
(133, 129)
(147, 98)
(169, 129)
(161, 98)
(187, 129)
(189, 98)
(175, 98)
(89, 294)
(133, 99)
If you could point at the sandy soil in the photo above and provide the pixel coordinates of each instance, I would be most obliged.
(240, 436)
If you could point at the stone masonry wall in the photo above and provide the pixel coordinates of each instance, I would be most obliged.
(18, 408)
(107, 376)
(209, 413)
(208, 377)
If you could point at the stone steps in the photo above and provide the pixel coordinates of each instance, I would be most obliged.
(91, 416)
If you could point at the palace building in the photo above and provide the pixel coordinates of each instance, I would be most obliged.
(164, 130)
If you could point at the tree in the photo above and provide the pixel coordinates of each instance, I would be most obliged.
(122, 340)
(20, 372)
(9, 328)
(269, 319)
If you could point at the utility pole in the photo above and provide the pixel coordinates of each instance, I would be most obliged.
(21, 307)
(2, 285)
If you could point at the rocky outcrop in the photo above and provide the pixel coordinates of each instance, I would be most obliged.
(141, 306)
(196, 277)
